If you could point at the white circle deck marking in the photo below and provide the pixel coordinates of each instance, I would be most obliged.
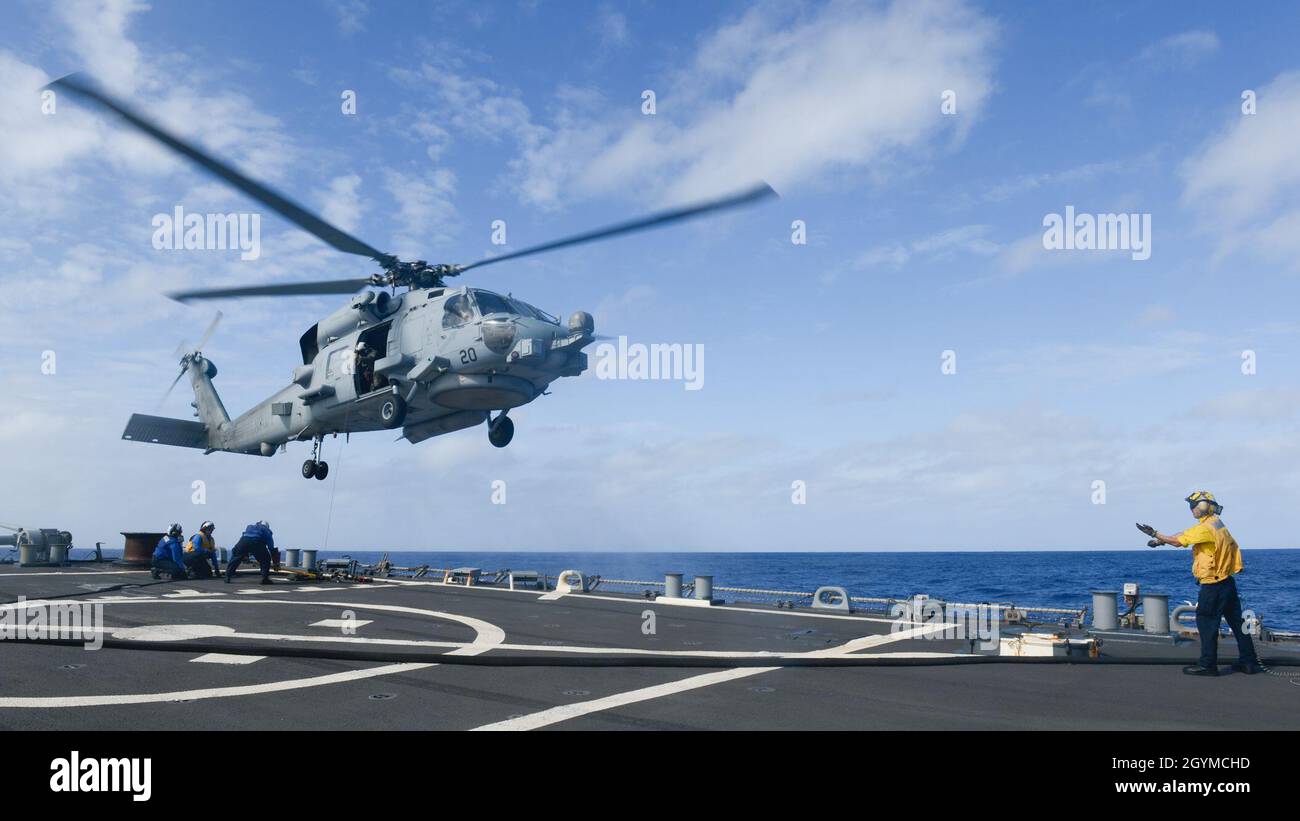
(172, 632)
(486, 636)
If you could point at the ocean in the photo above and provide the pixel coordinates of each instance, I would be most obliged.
(1270, 584)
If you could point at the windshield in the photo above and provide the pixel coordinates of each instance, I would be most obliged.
(524, 308)
(490, 303)
(456, 311)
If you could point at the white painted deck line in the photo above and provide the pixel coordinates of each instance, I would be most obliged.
(564, 712)
(226, 658)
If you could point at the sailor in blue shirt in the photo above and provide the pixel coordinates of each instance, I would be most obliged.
(258, 542)
(168, 556)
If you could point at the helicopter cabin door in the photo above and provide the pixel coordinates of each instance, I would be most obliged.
(373, 345)
(340, 370)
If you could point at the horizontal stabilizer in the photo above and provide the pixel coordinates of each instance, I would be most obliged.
(161, 430)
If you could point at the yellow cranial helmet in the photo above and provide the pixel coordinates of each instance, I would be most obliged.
(1204, 496)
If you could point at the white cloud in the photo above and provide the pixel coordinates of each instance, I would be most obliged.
(964, 239)
(1244, 184)
(425, 212)
(98, 31)
(1156, 315)
(342, 203)
(778, 97)
(33, 144)
(1180, 50)
(351, 15)
(1266, 406)
(1110, 82)
(610, 26)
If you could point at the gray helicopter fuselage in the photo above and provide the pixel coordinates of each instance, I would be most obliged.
(442, 359)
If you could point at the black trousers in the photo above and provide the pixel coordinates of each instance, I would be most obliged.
(169, 567)
(1220, 601)
(199, 564)
(249, 547)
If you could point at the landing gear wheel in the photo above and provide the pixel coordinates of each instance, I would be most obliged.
(392, 412)
(322, 470)
(501, 432)
(309, 468)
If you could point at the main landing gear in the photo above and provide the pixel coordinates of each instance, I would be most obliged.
(315, 468)
(501, 430)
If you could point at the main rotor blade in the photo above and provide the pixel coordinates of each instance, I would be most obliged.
(208, 333)
(333, 286)
(81, 87)
(758, 192)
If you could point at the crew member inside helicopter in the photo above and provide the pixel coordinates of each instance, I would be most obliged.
(365, 360)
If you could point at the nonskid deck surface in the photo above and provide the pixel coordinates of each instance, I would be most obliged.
(55, 687)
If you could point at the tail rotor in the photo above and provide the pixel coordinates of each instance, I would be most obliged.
(188, 357)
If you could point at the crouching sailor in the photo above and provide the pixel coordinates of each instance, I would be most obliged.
(1215, 559)
(259, 543)
(167, 556)
(201, 553)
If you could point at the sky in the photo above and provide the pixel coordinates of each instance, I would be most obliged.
(893, 359)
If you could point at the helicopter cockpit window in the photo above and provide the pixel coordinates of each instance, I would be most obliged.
(490, 303)
(525, 309)
(457, 311)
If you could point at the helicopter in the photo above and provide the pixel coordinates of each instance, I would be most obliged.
(428, 360)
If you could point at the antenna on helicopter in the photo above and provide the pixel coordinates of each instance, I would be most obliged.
(396, 272)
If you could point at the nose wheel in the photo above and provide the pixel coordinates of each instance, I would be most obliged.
(500, 431)
(313, 467)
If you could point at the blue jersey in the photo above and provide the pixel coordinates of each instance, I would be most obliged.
(169, 547)
(262, 533)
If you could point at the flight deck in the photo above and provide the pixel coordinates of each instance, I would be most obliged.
(237, 669)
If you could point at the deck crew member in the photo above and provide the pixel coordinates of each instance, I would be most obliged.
(258, 542)
(167, 556)
(1215, 559)
(201, 553)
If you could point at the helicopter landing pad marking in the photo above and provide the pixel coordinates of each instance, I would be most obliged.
(486, 636)
(341, 623)
(226, 658)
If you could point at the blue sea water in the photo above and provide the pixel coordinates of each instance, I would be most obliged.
(1270, 584)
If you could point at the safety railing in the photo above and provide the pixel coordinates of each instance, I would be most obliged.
(649, 588)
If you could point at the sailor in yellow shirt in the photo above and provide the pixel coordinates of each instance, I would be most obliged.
(1215, 559)
(201, 553)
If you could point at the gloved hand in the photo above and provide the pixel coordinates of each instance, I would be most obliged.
(1154, 543)
(1147, 529)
